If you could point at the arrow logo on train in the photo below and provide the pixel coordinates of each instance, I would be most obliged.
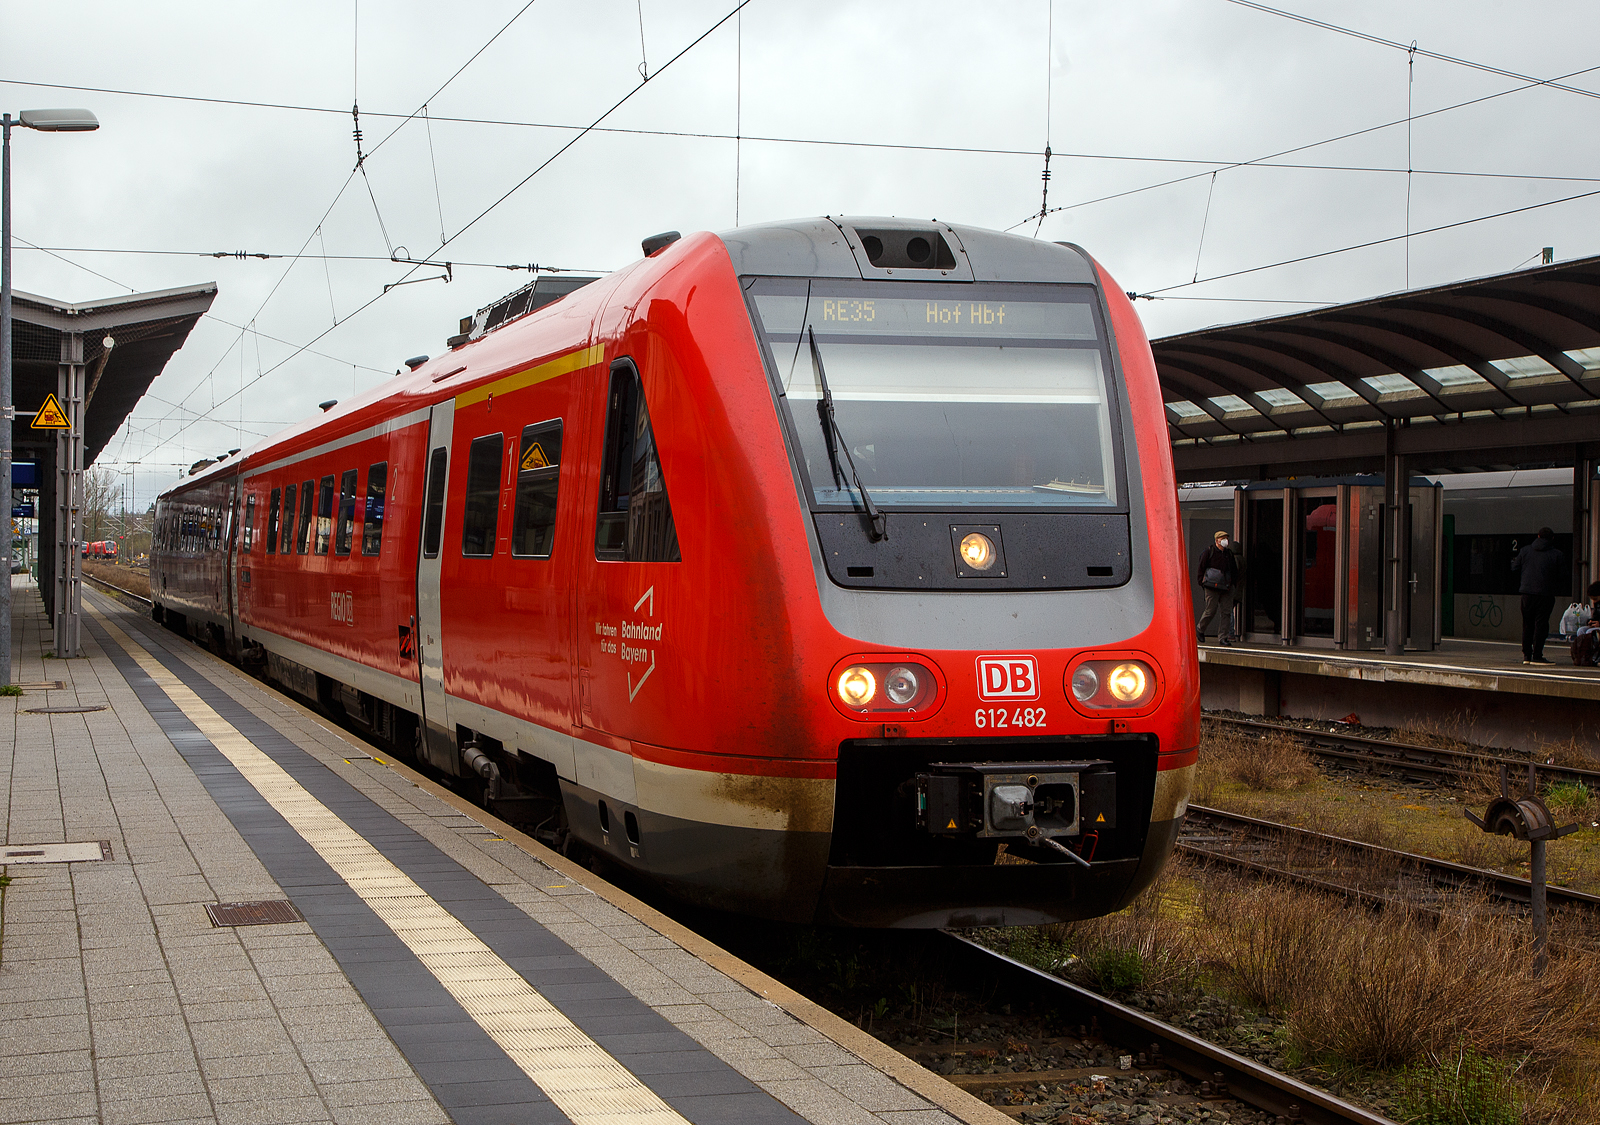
(633, 688)
(648, 596)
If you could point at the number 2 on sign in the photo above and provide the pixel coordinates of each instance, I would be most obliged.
(998, 717)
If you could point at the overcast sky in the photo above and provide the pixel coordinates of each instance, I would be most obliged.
(1140, 93)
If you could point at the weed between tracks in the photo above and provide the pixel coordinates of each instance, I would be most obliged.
(1439, 1021)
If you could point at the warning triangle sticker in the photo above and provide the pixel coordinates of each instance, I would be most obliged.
(952, 824)
(534, 458)
(51, 416)
(1101, 819)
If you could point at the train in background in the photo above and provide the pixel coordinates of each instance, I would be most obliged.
(100, 549)
(827, 570)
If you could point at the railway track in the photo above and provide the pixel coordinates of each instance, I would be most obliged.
(1217, 1074)
(102, 584)
(1366, 871)
(1421, 762)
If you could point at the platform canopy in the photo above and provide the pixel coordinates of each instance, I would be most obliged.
(1496, 373)
(146, 329)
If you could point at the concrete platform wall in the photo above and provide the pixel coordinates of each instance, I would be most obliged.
(1501, 718)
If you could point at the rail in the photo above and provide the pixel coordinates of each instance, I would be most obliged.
(103, 584)
(1375, 863)
(1407, 757)
(1229, 1074)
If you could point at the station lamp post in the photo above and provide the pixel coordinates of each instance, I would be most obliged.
(45, 121)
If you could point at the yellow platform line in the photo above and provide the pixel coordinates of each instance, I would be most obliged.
(586, 1083)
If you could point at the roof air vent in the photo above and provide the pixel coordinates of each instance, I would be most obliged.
(906, 249)
(659, 242)
(416, 361)
(327, 406)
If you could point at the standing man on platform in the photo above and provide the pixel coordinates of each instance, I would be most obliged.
(1544, 577)
(1218, 574)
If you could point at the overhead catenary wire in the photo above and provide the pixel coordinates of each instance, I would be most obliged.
(1375, 242)
(975, 150)
(618, 104)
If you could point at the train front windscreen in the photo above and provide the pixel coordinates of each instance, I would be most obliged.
(982, 397)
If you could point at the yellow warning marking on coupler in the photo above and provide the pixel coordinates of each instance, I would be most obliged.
(584, 1082)
(534, 458)
(952, 824)
(1101, 819)
(50, 416)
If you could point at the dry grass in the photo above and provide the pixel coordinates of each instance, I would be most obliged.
(1392, 988)
(1273, 763)
(125, 578)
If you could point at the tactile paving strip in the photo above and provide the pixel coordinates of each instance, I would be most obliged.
(581, 1078)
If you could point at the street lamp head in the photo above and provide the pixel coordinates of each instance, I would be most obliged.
(59, 120)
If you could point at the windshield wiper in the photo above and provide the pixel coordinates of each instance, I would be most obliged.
(831, 431)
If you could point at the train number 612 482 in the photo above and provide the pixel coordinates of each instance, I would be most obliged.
(998, 717)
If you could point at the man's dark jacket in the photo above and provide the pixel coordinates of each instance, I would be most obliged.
(1543, 569)
(1222, 559)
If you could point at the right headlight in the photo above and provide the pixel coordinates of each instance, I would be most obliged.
(1120, 684)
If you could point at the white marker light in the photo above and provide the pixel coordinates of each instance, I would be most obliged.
(901, 684)
(1085, 684)
(977, 551)
(1128, 682)
(857, 687)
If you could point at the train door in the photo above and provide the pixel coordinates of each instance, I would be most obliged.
(438, 746)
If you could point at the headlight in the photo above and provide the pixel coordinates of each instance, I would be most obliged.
(1128, 682)
(1113, 684)
(857, 686)
(977, 551)
(1085, 684)
(902, 685)
(895, 684)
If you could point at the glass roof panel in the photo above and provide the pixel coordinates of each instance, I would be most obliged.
(1525, 367)
(1455, 376)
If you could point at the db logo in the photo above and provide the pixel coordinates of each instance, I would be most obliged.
(1008, 677)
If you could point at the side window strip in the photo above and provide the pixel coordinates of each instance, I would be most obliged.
(533, 521)
(481, 516)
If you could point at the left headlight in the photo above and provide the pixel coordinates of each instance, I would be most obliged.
(865, 687)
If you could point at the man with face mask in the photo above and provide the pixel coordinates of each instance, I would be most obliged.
(1218, 574)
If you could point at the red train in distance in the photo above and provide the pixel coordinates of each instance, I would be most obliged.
(827, 570)
(100, 549)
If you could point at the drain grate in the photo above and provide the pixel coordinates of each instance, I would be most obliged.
(44, 685)
(66, 710)
(264, 913)
(56, 853)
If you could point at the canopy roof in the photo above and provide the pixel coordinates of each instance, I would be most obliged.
(146, 327)
(1497, 370)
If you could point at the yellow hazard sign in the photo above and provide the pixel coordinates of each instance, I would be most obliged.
(952, 824)
(534, 458)
(1101, 819)
(51, 416)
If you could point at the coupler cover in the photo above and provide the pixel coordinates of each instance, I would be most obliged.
(1016, 799)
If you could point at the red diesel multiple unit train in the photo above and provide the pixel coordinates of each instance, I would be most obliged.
(822, 570)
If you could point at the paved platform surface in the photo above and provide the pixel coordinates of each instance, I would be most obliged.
(1474, 665)
(447, 970)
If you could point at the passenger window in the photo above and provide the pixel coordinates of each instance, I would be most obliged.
(533, 521)
(248, 538)
(433, 526)
(272, 519)
(372, 528)
(325, 514)
(347, 512)
(481, 516)
(307, 501)
(635, 520)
